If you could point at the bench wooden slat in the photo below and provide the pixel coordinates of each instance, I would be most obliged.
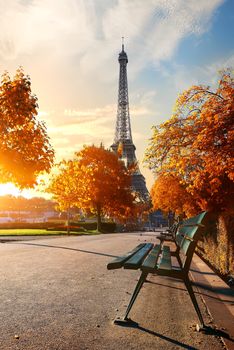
(190, 235)
(118, 262)
(189, 230)
(135, 261)
(186, 233)
(196, 220)
(185, 245)
(150, 262)
(183, 227)
(165, 262)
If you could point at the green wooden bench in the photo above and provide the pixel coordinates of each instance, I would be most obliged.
(169, 234)
(157, 259)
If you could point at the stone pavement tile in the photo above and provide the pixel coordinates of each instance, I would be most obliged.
(218, 297)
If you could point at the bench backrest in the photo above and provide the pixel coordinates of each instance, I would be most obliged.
(186, 241)
(187, 227)
(196, 220)
(187, 236)
(174, 229)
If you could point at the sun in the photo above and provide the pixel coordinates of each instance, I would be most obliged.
(38, 191)
(9, 188)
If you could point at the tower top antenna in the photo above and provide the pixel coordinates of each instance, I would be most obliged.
(122, 43)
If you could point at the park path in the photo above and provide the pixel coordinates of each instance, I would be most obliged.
(57, 294)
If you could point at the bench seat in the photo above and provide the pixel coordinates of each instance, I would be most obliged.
(157, 259)
(118, 262)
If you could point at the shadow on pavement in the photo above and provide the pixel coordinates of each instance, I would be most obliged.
(202, 286)
(225, 291)
(58, 247)
(164, 337)
(208, 330)
(203, 272)
(132, 324)
(217, 332)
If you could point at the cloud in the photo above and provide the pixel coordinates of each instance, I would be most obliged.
(85, 29)
(160, 25)
(72, 128)
(70, 49)
(207, 74)
(39, 25)
(99, 115)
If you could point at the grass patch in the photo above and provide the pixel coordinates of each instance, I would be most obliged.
(42, 232)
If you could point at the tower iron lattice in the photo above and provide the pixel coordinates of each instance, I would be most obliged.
(123, 134)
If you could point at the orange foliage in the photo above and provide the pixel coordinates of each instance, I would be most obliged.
(120, 150)
(196, 144)
(168, 194)
(94, 180)
(25, 150)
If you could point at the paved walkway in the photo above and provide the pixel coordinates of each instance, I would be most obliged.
(57, 294)
(218, 297)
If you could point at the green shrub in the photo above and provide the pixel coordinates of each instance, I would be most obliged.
(75, 226)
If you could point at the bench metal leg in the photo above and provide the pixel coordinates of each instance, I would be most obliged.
(135, 293)
(194, 301)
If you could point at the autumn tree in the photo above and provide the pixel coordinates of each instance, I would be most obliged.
(25, 150)
(96, 180)
(196, 144)
(195, 147)
(169, 195)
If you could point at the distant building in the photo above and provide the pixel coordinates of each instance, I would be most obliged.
(7, 216)
(5, 219)
(157, 219)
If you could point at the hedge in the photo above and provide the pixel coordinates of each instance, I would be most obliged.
(55, 226)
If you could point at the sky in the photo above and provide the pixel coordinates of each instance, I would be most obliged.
(70, 50)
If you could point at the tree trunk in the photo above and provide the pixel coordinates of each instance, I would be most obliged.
(99, 221)
(68, 221)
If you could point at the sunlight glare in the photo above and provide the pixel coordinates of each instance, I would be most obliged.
(9, 188)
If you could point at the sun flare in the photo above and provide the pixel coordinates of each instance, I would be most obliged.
(11, 189)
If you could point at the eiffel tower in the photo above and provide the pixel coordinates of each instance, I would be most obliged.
(123, 134)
